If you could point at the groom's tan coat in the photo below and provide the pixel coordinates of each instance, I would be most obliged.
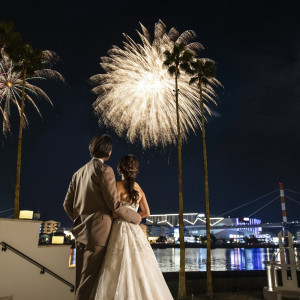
(90, 201)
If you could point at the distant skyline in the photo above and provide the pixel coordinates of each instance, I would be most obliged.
(253, 136)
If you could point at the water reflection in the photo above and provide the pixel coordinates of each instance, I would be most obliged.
(222, 259)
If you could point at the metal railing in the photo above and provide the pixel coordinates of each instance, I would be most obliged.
(43, 270)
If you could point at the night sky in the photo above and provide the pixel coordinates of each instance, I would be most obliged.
(253, 137)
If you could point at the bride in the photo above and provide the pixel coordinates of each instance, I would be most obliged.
(130, 270)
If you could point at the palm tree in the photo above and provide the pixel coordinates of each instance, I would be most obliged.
(174, 61)
(18, 64)
(28, 60)
(9, 40)
(204, 71)
(16, 73)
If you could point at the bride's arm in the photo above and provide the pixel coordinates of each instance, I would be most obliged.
(145, 211)
(114, 215)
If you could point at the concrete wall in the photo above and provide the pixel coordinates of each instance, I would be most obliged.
(21, 279)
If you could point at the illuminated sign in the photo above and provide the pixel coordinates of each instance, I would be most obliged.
(59, 239)
(26, 214)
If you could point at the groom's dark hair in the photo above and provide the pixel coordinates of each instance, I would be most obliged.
(100, 146)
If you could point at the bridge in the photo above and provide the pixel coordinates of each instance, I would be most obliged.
(261, 225)
(198, 220)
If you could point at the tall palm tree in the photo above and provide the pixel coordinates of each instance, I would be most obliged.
(9, 39)
(174, 61)
(204, 75)
(28, 60)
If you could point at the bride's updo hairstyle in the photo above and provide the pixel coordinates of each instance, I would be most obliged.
(129, 168)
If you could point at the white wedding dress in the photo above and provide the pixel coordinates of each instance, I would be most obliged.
(130, 270)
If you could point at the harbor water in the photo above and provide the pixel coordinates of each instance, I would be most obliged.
(222, 259)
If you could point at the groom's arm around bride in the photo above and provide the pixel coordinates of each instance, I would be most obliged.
(109, 191)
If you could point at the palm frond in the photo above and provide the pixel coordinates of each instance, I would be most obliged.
(205, 81)
(50, 58)
(159, 29)
(186, 67)
(186, 37)
(173, 34)
(167, 53)
(9, 39)
(172, 70)
(50, 74)
(193, 80)
(186, 56)
(194, 47)
(146, 33)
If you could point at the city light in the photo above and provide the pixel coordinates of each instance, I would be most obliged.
(57, 239)
(26, 214)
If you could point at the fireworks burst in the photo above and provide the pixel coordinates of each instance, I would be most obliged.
(136, 95)
(11, 87)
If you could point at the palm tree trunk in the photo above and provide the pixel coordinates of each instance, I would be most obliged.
(181, 286)
(209, 289)
(18, 176)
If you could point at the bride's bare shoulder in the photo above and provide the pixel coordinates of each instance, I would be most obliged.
(120, 184)
(137, 186)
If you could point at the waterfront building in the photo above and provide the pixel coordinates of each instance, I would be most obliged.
(298, 236)
(194, 225)
(156, 230)
(48, 227)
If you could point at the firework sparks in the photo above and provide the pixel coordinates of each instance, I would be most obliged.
(136, 95)
(11, 87)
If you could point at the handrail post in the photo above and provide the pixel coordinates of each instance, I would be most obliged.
(269, 275)
(4, 247)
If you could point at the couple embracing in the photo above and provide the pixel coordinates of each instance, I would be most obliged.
(114, 260)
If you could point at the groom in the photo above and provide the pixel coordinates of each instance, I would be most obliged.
(90, 201)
